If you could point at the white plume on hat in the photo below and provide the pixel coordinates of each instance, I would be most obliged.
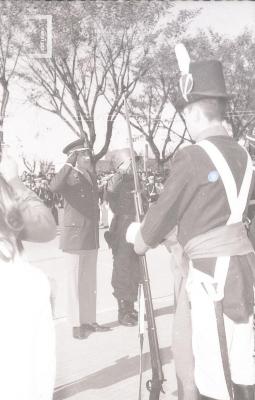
(186, 80)
(183, 58)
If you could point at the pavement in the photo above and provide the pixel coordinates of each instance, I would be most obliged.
(106, 365)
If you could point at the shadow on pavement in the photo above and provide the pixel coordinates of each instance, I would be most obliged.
(158, 313)
(124, 368)
(164, 310)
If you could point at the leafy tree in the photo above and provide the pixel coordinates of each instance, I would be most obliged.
(10, 51)
(100, 54)
(238, 57)
(16, 34)
(152, 113)
(160, 86)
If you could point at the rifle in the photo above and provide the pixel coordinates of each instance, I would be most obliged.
(154, 385)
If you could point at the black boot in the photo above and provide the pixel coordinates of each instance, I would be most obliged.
(132, 310)
(124, 316)
(243, 392)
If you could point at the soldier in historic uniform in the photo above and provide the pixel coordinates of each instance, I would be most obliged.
(205, 200)
(77, 183)
(126, 275)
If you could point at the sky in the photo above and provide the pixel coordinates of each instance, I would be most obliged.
(226, 17)
(42, 135)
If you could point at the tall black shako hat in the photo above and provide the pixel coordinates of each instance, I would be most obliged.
(78, 144)
(199, 80)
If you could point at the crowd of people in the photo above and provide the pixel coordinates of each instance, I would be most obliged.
(39, 184)
(152, 184)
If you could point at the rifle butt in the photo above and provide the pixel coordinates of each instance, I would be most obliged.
(155, 388)
(155, 384)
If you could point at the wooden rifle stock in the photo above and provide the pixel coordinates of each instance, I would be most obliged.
(154, 385)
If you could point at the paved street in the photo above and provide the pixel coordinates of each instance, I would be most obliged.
(106, 365)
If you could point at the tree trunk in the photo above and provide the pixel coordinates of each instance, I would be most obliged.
(160, 163)
(5, 99)
(1, 129)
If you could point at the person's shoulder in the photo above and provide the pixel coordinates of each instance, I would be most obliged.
(187, 154)
(230, 148)
(184, 164)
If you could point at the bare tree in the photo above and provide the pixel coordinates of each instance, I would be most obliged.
(34, 165)
(45, 166)
(30, 165)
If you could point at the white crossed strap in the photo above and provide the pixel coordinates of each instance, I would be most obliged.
(237, 204)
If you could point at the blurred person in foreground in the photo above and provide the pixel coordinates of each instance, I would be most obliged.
(201, 210)
(27, 337)
(77, 183)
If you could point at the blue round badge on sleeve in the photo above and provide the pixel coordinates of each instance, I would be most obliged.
(213, 176)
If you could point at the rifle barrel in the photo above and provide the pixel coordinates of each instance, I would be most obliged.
(155, 384)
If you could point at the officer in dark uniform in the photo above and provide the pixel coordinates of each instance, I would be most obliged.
(77, 183)
(125, 276)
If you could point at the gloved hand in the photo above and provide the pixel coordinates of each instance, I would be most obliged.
(132, 231)
(72, 158)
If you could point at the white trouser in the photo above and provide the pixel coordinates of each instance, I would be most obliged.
(104, 214)
(110, 216)
(82, 287)
(209, 374)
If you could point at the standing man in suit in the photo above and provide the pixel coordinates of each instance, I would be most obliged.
(77, 183)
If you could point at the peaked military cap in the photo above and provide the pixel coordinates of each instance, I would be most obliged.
(78, 144)
(205, 80)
